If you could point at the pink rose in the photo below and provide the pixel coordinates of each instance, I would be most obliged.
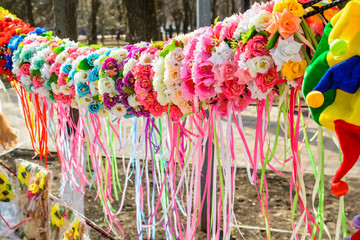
(268, 80)
(241, 103)
(221, 107)
(205, 89)
(244, 76)
(144, 83)
(175, 113)
(227, 31)
(62, 79)
(257, 46)
(188, 88)
(203, 69)
(140, 70)
(232, 89)
(38, 81)
(25, 69)
(217, 29)
(268, 6)
(55, 68)
(228, 70)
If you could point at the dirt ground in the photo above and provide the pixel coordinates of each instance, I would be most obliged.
(247, 208)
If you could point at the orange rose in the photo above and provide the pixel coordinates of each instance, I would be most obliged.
(287, 23)
(292, 6)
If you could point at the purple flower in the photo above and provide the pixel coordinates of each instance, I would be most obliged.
(119, 85)
(124, 99)
(129, 80)
(110, 63)
(109, 102)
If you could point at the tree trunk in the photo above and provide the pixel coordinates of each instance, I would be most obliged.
(233, 7)
(141, 23)
(95, 4)
(29, 11)
(187, 15)
(246, 5)
(213, 10)
(65, 19)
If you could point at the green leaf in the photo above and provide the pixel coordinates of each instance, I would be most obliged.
(249, 35)
(28, 168)
(96, 46)
(71, 217)
(58, 50)
(272, 42)
(49, 33)
(8, 187)
(216, 20)
(62, 210)
(170, 47)
(128, 90)
(263, 33)
(82, 45)
(70, 214)
(53, 78)
(83, 65)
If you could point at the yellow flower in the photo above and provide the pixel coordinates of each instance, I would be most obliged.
(292, 70)
(6, 191)
(23, 175)
(34, 188)
(292, 6)
(41, 176)
(57, 219)
(75, 228)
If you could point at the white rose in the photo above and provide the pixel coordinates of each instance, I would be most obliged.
(25, 80)
(85, 101)
(103, 112)
(259, 64)
(133, 101)
(94, 89)
(225, 51)
(119, 54)
(129, 65)
(65, 89)
(55, 88)
(81, 76)
(106, 85)
(256, 93)
(285, 51)
(61, 58)
(45, 71)
(118, 110)
(261, 20)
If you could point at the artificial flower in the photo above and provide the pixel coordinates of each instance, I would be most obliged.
(57, 216)
(285, 51)
(292, 70)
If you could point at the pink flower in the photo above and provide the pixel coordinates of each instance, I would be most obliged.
(62, 79)
(175, 113)
(221, 107)
(72, 91)
(268, 6)
(227, 31)
(203, 69)
(217, 29)
(55, 68)
(38, 81)
(25, 69)
(188, 88)
(257, 46)
(241, 103)
(140, 70)
(232, 89)
(268, 80)
(144, 83)
(244, 76)
(141, 93)
(205, 89)
(272, 95)
(286, 23)
(51, 58)
(226, 71)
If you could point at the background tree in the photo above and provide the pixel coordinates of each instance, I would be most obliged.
(65, 19)
(29, 11)
(141, 22)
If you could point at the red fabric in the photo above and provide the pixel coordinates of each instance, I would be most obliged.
(349, 138)
(356, 236)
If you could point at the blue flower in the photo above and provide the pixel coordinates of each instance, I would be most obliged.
(39, 31)
(14, 42)
(91, 58)
(82, 89)
(72, 74)
(66, 68)
(94, 107)
(94, 75)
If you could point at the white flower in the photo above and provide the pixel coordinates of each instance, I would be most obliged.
(85, 101)
(222, 52)
(118, 110)
(106, 85)
(74, 104)
(65, 89)
(133, 101)
(261, 20)
(25, 80)
(103, 112)
(119, 54)
(61, 58)
(129, 65)
(94, 89)
(45, 71)
(141, 44)
(285, 51)
(256, 93)
(55, 88)
(259, 64)
(146, 59)
(42, 91)
(293, 83)
(81, 76)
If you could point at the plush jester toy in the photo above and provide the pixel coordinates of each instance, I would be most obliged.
(331, 86)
